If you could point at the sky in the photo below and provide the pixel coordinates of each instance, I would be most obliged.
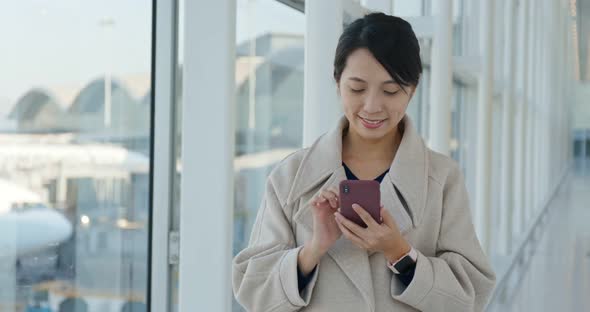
(48, 43)
(61, 42)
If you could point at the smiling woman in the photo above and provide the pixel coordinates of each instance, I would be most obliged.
(363, 98)
(305, 255)
(377, 73)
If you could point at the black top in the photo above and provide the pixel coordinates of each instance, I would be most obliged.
(404, 277)
(351, 176)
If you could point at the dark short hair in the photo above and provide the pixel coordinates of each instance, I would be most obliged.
(392, 42)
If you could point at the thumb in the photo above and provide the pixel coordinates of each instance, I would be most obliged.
(387, 218)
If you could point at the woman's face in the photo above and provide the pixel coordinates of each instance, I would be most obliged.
(372, 102)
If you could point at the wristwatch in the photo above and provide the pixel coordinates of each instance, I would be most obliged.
(404, 263)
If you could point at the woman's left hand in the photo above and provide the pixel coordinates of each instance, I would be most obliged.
(384, 237)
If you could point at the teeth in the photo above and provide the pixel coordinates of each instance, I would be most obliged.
(371, 121)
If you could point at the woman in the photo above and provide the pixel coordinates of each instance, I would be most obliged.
(303, 255)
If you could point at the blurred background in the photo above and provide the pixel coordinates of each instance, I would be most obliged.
(121, 121)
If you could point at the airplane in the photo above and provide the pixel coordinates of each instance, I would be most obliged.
(31, 231)
(27, 225)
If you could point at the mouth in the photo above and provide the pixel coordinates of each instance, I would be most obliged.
(372, 123)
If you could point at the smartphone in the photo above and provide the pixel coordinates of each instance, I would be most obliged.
(365, 193)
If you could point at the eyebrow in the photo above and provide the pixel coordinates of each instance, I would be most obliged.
(361, 80)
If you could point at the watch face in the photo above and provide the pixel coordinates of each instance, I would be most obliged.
(404, 264)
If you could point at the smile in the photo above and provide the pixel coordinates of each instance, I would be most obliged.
(373, 121)
(372, 124)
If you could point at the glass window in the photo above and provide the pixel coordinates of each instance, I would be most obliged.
(418, 104)
(269, 101)
(269, 108)
(75, 155)
(408, 8)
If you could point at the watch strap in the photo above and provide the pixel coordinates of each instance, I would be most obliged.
(404, 262)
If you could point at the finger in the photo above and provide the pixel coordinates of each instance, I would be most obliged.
(387, 218)
(351, 236)
(320, 202)
(367, 218)
(330, 193)
(334, 190)
(332, 198)
(353, 227)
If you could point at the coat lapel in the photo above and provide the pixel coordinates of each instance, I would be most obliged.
(390, 199)
(409, 175)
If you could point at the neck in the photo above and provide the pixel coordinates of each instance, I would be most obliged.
(383, 149)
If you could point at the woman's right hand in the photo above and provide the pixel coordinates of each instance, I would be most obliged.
(325, 229)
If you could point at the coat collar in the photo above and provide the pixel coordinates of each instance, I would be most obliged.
(406, 181)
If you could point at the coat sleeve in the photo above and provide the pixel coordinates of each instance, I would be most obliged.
(458, 277)
(264, 274)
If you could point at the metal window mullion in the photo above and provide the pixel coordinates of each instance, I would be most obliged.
(508, 124)
(321, 106)
(484, 123)
(441, 85)
(206, 204)
(165, 48)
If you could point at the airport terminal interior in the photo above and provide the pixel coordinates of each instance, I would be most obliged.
(136, 138)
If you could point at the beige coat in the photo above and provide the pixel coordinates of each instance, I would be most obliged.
(424, 191)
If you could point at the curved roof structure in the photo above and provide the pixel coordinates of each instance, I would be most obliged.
(32, 102)
(46, 109)
(91, 98)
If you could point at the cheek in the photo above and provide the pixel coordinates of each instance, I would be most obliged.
(397, 106)
(350, 103)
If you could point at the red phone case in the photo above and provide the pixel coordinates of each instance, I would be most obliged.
(366, 193)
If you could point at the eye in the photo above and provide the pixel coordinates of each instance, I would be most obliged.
(391, 93)
(356, 90)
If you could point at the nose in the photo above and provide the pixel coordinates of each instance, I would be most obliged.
(372, 103)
